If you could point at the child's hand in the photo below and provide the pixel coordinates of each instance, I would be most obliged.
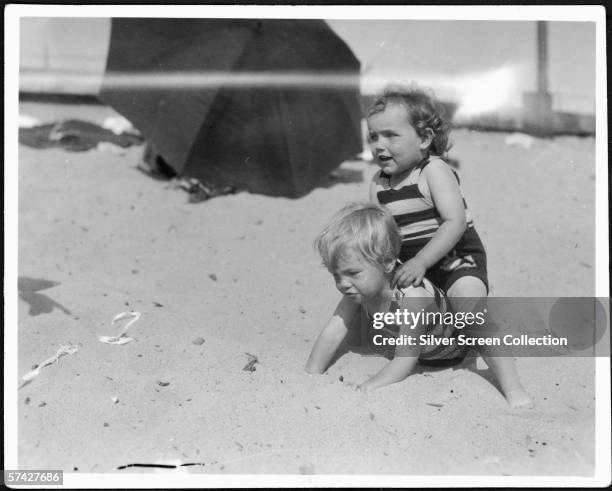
(411, 272)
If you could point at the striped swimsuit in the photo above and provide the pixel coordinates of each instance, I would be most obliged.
(418, 221)
(438, 330)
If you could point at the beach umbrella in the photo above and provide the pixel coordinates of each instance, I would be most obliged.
(269, 106)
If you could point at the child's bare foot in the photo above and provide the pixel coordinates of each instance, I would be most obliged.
(518, 398)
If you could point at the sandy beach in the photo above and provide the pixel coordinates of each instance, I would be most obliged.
(98, 237)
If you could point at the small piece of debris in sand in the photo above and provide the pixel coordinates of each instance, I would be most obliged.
(519, 140)
(199, 341)
(64, 350)
(105, 424)
(250, 366)
(115, 399)
(27, 400)
(434, 404)
(157, 304)
(302, 310)
(341, 378)
(122, 338)
(213, 276)
(42, 404)
(163, 384)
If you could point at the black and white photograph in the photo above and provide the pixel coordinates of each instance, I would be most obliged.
(306, 246)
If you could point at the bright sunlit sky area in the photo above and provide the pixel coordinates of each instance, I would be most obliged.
(474, 59)
(481, 65)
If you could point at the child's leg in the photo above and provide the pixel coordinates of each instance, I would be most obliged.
(463, 295)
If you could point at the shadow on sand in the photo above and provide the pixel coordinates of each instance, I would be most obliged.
(39, 303)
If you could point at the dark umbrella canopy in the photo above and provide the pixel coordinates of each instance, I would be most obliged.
(272, 135)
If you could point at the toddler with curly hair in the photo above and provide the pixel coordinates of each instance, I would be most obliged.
(409, 138)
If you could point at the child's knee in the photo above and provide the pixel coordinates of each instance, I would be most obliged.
(467, 286)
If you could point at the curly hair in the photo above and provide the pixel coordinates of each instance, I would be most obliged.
(362, 226)
(423, 110)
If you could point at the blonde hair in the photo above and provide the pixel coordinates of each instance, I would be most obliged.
(423, 112)
(366, 227)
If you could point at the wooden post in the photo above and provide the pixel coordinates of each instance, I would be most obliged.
(542, 57)
(537, 106)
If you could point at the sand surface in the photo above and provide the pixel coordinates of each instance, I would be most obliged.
(98, 237)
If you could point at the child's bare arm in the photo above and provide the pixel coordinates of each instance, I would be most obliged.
(403, 362)
(394, 371)
(447, 199)
(331, 336)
